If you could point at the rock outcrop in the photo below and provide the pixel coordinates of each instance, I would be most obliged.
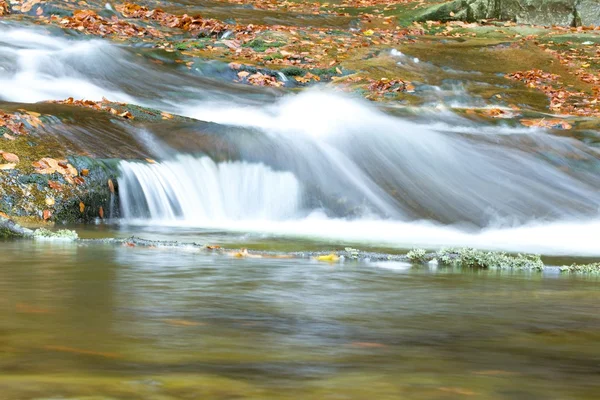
(534, 12)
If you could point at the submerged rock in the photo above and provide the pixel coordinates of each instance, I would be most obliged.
(534, 12)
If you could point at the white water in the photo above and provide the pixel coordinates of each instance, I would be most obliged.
(36, 67)
(334, 167)
(200, 190)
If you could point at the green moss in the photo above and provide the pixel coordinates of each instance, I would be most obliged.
(471, 258)
(62, 234)
(582, 269)
(293, 71)
(274, 56)
(260, 45)
(417, 256)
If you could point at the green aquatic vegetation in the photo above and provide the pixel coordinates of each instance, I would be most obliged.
(62, 234)
(293, 71)
(593, 268)
(261, 45)
(417, 256)
(353, 253)
(274, 56)
(471, 258)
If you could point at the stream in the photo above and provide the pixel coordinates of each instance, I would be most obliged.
(283, 170)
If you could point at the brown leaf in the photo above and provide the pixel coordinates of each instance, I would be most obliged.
(11, 158)
(101, 212)
(47, 214)
(55, 185)
(111, 186)
(85, 172)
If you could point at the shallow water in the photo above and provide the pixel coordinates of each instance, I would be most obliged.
(104, 322)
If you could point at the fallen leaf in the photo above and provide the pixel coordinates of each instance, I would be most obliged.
(7, 166)
(101, 212)
(111, 186)
(47, 214)
(11, 158)
(50, 201)
(85, 172)
(329, 258)
(81, 207)
(55, 185)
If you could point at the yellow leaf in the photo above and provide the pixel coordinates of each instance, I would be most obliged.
(7, 166)
(328, 258)
(369, 32)
(81, 207)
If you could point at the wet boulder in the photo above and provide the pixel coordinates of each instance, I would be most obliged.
(10, 229)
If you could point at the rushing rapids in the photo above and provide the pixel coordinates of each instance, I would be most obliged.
(321, 163)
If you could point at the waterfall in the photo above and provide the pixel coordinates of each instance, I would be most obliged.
(200, 190)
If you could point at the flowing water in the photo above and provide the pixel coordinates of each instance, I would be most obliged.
(314, 170)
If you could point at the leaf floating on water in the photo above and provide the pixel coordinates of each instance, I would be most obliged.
(151, 161)
(210, 247)
(81, 207)
(328, 258)
(243, 253)
(111, 186)
(74, 350)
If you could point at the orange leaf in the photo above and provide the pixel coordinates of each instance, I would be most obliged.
(47, 215)
(10, 157)
(81, 207)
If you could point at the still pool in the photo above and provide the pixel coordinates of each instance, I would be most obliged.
(84, 321)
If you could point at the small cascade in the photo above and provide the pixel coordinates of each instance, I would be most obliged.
(200, 190)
